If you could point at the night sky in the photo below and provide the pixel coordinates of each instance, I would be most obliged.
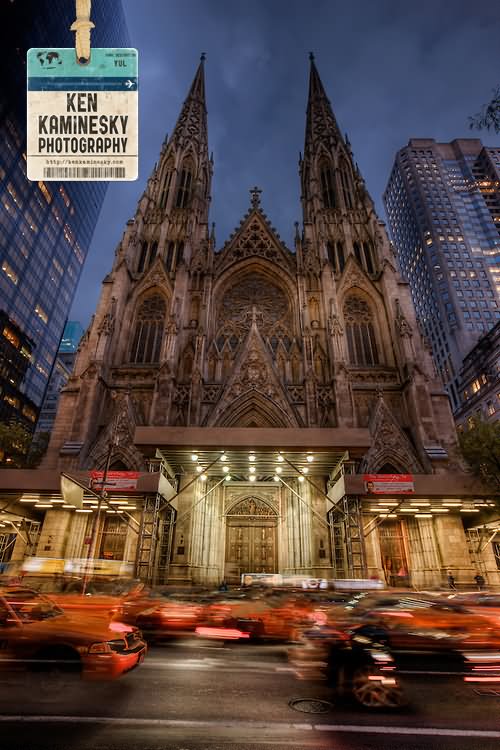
(392, 70)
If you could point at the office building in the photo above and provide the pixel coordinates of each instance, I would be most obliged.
(443, 206)
(63, 367)
(45, 228)
(480, 382)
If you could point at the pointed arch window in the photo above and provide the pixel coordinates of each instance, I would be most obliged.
(330, 247)
(152, 253)
(357, 253)
(360, 332)
(167, 182)
(180, 253)
(367, 252)
(148, 331)
(327, 178)
(346, 186)
(336, 255)
(340, 256)
(174, 255)
(184, 188)
(170, 255)
(142, 257)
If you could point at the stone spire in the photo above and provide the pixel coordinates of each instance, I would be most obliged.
(172, 214)
(321, 125)
(192, 123)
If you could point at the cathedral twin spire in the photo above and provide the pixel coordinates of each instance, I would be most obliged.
(328, 176)
(191, 125)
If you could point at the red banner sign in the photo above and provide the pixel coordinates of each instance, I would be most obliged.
(115, 480)
(388, 484)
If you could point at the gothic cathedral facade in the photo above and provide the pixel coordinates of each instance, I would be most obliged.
(254, 335)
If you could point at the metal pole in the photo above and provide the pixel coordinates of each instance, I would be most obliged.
(190, 510)
(186, 486)
(95, 520)
(318, 489)
(320, 518)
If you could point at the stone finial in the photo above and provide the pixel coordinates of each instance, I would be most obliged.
(255, 196)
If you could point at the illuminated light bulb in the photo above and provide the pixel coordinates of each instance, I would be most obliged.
(223, 457)
(309, 458)
(305, 470)
(251, 457)
(194, 457)
(276, 478)
(280, 458)
(301, 478)
(252, 469)
(252, 477)
(203, 477)
(199, 469)
(227, 477)
(278, 470)
(225, 469)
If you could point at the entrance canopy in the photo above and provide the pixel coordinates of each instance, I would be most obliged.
(236, 450)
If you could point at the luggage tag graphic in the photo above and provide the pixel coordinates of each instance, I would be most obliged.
(82, 117)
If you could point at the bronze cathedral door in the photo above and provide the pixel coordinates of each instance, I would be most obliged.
(250, 539)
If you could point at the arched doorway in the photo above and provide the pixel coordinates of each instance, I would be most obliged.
(251, 538)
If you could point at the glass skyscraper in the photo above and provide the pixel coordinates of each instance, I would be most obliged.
(63, 367)
(45, 228)
(443, 207)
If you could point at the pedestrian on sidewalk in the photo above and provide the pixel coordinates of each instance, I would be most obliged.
(479, 581)
(451, 581)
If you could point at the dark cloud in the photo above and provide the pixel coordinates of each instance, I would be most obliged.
(393, 70)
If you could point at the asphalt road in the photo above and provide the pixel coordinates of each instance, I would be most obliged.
(196, 696)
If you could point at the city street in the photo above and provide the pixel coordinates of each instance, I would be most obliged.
(191, 695)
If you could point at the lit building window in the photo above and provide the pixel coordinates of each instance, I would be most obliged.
(11, 337)
(64, 196)
(41, 313)
(29, 413)
(10, 272)
(45, 191)
(476, 386)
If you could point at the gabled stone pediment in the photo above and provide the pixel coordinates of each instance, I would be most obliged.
(354, 275)
(254, 386)
(390, 443)
(118, 433)
(255, 237)
(155, 276)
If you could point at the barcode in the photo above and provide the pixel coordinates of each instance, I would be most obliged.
(84, 173)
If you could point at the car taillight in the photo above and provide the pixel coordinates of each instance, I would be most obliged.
(99, 648)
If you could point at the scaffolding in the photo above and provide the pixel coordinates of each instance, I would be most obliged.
(148, 539)
(478, 539)
(166, 533)
(32, 529)
(348, 547)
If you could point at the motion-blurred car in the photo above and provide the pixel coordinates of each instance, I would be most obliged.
(482, 603)
(269, 614)
(37, 635)
(162, 613)
(102, 596)
(365, 649)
